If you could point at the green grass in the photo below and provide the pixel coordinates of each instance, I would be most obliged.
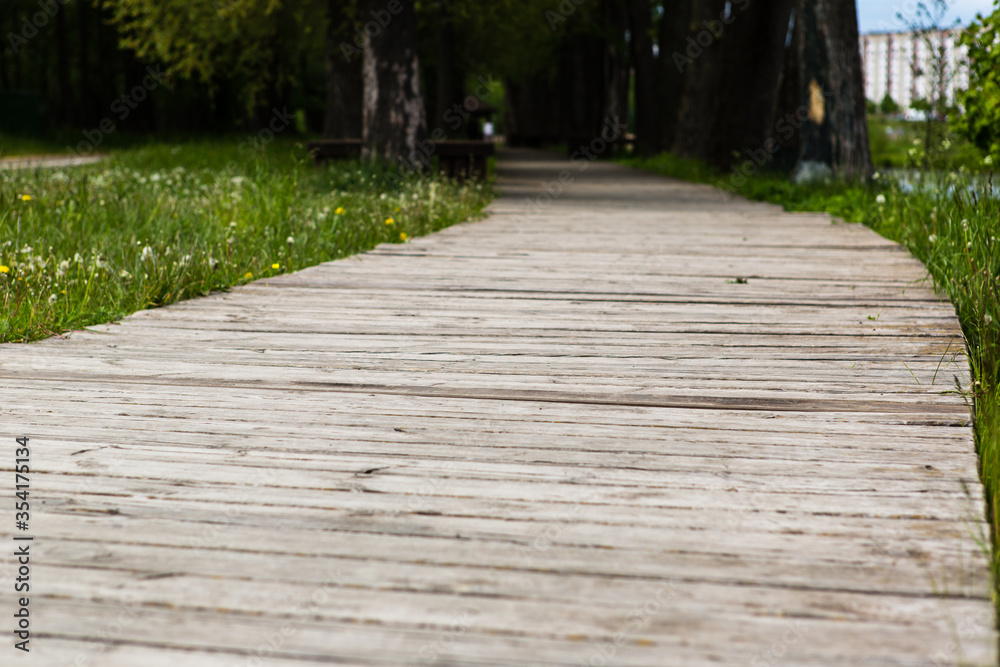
(13, 145)
(902, 143)
(953, 230)
(162, 223)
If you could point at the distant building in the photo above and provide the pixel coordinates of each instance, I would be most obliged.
(899, 63)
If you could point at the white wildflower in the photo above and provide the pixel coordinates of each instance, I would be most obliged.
(880, 199)
(147, 254)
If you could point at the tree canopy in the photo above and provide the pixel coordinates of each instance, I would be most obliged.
(715, 80)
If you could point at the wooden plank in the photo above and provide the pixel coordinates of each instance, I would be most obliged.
(506, 439)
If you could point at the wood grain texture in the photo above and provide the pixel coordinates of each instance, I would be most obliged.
(633, 423)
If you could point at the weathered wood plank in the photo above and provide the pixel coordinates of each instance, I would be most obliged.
(563, 435)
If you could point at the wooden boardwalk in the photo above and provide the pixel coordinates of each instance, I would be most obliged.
(630, 424)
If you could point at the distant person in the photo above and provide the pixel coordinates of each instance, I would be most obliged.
(488, 131)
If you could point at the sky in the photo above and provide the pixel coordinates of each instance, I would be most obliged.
(880, 15)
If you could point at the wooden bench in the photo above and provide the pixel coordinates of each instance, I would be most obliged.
(458, 159)
(464, 159)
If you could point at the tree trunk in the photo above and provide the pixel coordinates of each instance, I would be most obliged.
(342, 68)
(448, 78)
(533, 106)
(65, 94)
(754, 46)
(85, 113)
(673, 32)
(582, 91)
(701, 58)
(647, 126)
(831, 88)
(394, 123)
(617, 72)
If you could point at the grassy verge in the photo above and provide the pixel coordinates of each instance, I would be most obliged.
(897, 143)
(12, 145)
(162, 223)
(951, 227)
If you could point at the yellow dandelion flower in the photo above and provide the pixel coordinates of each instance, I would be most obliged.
(4, 269)
(248, 275)
(403, 236)
(25, 197)
(340, 211)
(276, 265)
(390, 221)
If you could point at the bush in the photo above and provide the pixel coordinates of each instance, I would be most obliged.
(981, 121)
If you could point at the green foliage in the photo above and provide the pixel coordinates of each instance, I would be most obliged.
(900, 143)
(888, 105)
(981, 121)
(257, 41)
(511, 39)
(163, 223)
